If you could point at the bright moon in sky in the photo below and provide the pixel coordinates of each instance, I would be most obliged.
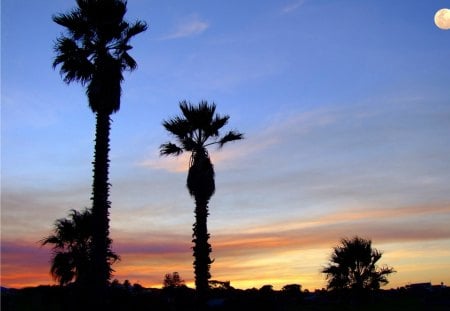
(442, 19)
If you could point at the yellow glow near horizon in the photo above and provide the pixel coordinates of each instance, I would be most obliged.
(278, 253)
(414, 263)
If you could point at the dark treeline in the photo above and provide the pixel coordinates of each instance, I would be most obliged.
(136, 298)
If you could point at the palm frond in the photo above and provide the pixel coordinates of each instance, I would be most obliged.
(170, 149)
(216, 124)
(128, 62)
(178, 126)
(200, 116)
(63, 268)
(189, 144)
(53, 239)
(136, 28)
(230, 136)
(75, 65)
(75, 22)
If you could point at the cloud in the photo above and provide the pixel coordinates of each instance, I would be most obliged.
(31, 211)
(277, 253)
(190, 26)
(179, 164)
(350, 154)
(24, 264)
(305, 231)
(286, 193)
(381, 224)
(24, 109)
(292, 6)
(159, 244)
(221, 158)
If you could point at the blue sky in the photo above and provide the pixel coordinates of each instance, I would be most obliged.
(345, 107)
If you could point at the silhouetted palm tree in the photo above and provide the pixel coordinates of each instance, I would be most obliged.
(353, 265)
(94, 52)
(72, 242)
(197, 129)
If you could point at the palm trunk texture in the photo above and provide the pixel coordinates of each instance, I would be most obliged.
(100, 207)
(202, 248)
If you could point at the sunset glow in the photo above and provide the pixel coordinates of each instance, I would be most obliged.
(346, 126)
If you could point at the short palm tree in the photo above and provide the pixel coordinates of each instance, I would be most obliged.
(353, 266)
(72, 242)
(94, 52)
(197, 129)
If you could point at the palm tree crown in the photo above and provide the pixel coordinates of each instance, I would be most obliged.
(196, 130)
(72, 241)
(95, 49)
(353, 265)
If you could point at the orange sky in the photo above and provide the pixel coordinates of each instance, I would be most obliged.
(276, 254)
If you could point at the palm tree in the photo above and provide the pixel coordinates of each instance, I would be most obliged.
(353, 266)
(72, 242)
(197, 129)
(94, 52)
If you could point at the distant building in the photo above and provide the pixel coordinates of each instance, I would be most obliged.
(420, 287)
(425, 287)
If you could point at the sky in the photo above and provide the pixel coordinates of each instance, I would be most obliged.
(345, 107)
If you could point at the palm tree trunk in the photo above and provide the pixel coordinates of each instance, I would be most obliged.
(100, 207)
(201, 248)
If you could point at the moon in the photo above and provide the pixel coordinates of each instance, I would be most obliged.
(442, 19)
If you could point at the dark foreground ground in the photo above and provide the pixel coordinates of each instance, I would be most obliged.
(54, 298)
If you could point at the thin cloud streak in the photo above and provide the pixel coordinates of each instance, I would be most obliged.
(289, 8)
(222, 159)
(190, 26)
(382, 225)
(275, 255)
(24, 264)
(333, 197)
(163, 244)
(320, 233)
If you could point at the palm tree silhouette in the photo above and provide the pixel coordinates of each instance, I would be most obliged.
(94, 52)
(72, 242)
(197, 129)
(353, 266)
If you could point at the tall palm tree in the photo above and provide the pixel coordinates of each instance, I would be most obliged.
(353, 266)
(94, 52)
(72, 242)
(197, 129)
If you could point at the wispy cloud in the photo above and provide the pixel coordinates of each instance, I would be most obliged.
(302, 161)
(189, 26)
(25, 109)
(221, 158)
(24, 264)
(272, 253)
(292, 6)
(177, 164)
